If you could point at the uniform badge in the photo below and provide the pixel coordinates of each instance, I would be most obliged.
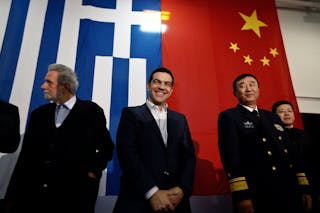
(278, 127)
(248, 125)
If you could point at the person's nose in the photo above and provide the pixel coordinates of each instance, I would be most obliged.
(43, 86)
(162, 85)
(248, 88)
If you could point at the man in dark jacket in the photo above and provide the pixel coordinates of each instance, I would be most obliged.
(65, 149)
(9, 127)
(156, 153)
(9, 142)
(264, 173)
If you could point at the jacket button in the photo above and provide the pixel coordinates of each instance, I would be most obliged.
(166, 173)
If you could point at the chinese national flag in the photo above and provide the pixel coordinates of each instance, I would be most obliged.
(207, 44)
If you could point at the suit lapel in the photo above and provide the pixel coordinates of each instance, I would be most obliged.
(242, 109)
(266, 121)
(52, 112)
(170, 127)
(148, 118)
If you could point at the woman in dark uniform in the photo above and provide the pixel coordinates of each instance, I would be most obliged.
(300, 141)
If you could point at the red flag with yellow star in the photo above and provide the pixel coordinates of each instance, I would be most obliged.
(248, 39)
(207, 44)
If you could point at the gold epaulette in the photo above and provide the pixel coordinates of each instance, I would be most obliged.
(302, 179)
(238, 184)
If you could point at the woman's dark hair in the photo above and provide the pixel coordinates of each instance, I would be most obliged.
(278, 103)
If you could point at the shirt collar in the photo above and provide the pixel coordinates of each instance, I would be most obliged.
(70, 103)
(151, 105)
(250, 109)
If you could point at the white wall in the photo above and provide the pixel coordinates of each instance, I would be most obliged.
(301, 37)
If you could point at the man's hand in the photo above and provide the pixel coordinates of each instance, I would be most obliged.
(307, 202)
(245, 206)
(175, 195)
(92, 175)
(160, 201)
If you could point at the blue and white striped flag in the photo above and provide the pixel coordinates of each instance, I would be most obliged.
(103, 40)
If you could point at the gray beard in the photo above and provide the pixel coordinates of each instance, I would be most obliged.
(54, 99)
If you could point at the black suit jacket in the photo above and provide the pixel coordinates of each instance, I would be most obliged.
(259, 160)
(9, 127)
(146, 161)
(54, 162)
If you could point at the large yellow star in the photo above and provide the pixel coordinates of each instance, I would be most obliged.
(265, 61)
(234, 47)
(247, 59)
(252, 23)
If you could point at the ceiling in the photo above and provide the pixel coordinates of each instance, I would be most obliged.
(304, 5)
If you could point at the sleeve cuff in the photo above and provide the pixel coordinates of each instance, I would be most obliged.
(238, 184)
(151, 192)
(302, 179)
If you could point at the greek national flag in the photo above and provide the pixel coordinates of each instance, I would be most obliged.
(109, 43)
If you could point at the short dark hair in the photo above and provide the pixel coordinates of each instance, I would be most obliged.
(242, 76)
(278, 103)
(161, 69)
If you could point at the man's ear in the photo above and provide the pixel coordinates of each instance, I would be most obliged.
(235, 93)
(66, 87)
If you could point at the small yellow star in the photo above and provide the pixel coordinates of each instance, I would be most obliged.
(247, 59)
(234, 47)
(274, 52)
(252, 23)
(265, 61)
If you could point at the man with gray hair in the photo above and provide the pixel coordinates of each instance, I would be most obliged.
(65, 149)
